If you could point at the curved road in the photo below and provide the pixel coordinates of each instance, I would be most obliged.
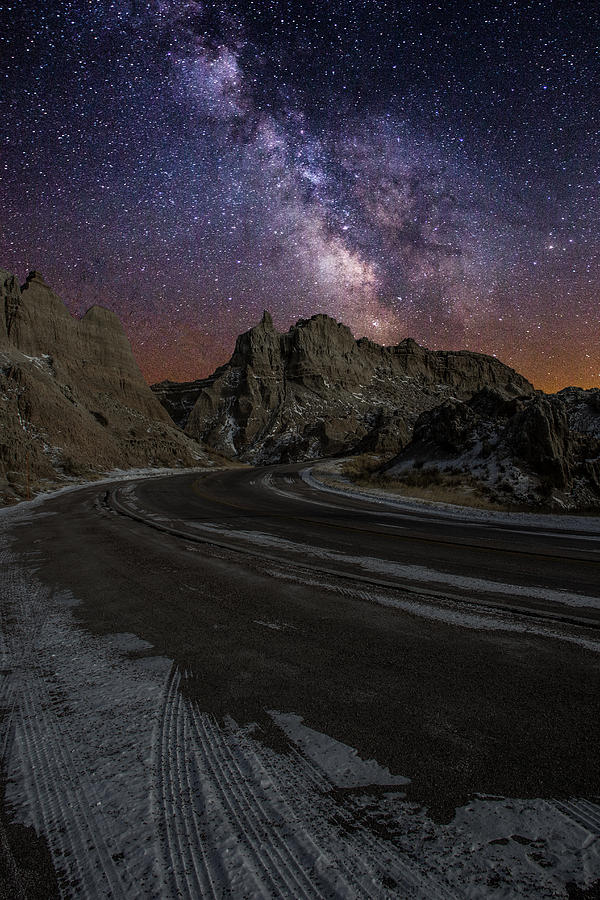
(545, 568)
(460, 654)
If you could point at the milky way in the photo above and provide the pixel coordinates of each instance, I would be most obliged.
(430, 169)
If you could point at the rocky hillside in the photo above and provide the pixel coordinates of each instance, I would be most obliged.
(73, 401)
(530, 451)
(583, 409)
(316, 391)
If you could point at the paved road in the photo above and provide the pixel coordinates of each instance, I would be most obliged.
(461, 655)
(501, 707)
(541, 563)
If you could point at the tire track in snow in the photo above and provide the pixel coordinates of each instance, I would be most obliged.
(217, 882)
(381, 856)
(354, 886)
(267, 813)
(64, 804)
(206, 885)
(593, 812)
(50, 810)
(28, 721)
(61, 799)
(236, 777)
(278, 852)
(167, 811)
(583, 812)
(188, 870)
(263, 858)
(8, 709)
(19, 640)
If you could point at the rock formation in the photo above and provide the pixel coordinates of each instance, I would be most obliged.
(316, 391)
(73, 402)
(583, 409)
(531, 451)
(72, 398)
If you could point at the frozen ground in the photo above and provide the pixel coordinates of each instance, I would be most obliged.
(75, 484)
(327, 477)
(465, 615)
(141, 793)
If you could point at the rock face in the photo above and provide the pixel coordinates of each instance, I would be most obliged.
(72, 398)
(178, 398)
(583, 409)
(316, 391)
(542, 450)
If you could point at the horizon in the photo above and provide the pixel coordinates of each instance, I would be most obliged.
(80, 312)
(312, 611)
(350, 160)
(552, 386)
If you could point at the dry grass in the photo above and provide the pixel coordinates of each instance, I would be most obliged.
(457, 494)
(362, 468)
(448, 486)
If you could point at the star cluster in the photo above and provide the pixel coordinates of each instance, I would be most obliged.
(410, 168)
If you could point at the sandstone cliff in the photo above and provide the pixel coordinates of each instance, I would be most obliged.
(73, 401)
(316, 391)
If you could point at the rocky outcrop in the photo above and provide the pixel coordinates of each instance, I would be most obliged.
(10, 295)
(316, 391)
(525, 450)
(389, 433)
(539, 435)
(177, 398)
(583, 409)
(73, 401)
(92, 351)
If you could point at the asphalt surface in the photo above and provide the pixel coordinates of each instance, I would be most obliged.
(270, 594)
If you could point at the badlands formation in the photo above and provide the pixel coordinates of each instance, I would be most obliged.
(74, 403)
(316, 391)
(461, 423)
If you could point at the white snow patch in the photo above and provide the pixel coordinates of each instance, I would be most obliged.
(341, 763)
(409, 574)
(40, 362)
(461, 614)
(344, 488)
(84, 716)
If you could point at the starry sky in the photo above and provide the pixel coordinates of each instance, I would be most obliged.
(410, 168)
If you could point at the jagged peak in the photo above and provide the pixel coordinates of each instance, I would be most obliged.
(34, 275)
(409, 343)
(265, 324)
(319, 317)
(322, 327)
(100, 312)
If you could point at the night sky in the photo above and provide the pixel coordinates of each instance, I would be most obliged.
(410, 168)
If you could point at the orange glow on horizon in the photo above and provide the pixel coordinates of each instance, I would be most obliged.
(185, 356)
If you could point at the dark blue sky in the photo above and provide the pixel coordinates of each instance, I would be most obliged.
(422, 168)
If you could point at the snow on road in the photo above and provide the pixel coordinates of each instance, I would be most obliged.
(327, 478)
(464, 614)
(407, 573)
(449, 591)
(140, 793)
